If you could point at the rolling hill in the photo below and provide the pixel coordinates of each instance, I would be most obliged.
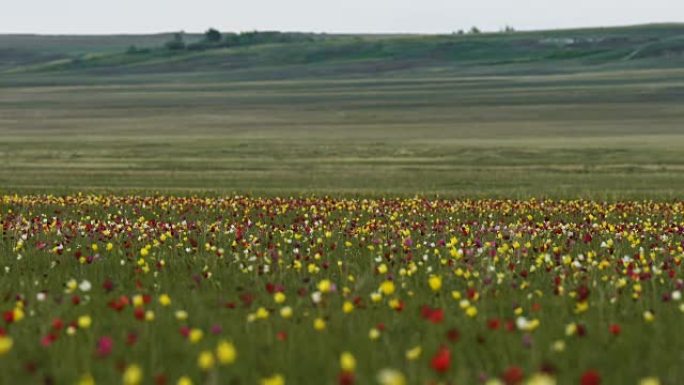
(589, 112)
(348, 55)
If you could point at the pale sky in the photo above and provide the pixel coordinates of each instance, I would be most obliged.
(352, 16)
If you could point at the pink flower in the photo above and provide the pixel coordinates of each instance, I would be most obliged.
(104, 346)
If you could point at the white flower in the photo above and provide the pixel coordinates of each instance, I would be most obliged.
(391, 377)
(521, 323)
(85, 286)
(316, 296)
(676, 295)
(41, 296)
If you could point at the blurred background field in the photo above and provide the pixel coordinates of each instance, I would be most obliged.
(592, 113)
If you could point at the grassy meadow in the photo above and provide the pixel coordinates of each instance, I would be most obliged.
(113, 289)
(492, 209)
(508, 115)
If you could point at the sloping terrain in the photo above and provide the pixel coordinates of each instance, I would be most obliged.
(348, 55)
(594, 113)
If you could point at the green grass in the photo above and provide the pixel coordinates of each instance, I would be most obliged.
(528, 255)
(511, 115)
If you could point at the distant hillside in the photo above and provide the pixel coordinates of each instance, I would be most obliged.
(306, 55)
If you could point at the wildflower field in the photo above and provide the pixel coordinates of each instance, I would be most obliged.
(115, 289)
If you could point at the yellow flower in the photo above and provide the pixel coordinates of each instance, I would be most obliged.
(286, 312)
(395, 303)
(226, 353)
(471, 311)
(164, 300)
(374, 334)
(347, 307)
(110, 246)
(149, 316)
(86, 379)
(205, 360)
(71, 285)
(279, 297)
(144, 252)
(325, 286)
(382, 269)
(391, 377)
(541, 379)
(185, 380)
(195, 335)
(494, 381)
(413, 353)
(319, 324)
(132, 375)
(558, 346)
(347, 362)
(435, 282)
(181, 315)
(275, 379)
(138, 300)
(649, 316)
(581, 307)
(649, 381)
(261, 313)
(84, 321)
(6, 343)
(387, 287)
(18, 313)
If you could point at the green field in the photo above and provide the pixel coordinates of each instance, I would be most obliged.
(493, 209)
(514, 115)
(136, 290)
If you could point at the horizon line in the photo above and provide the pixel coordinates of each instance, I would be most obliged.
(483, 31)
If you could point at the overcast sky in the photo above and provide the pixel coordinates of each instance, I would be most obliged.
(426, 16)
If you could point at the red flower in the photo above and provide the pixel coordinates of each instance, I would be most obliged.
(441, 360)
(581, 330)
(615, 329)
(160, 379)
(48, 340)
(513, 375)
(57, 324)
(281, 335)
(104, 346)
(345, 378)
(493, 324)
(433, 315)
(582, 293)
(590, 377)
(453, 335)
(8, 316)
(131, 339)
(108, 285)
(119, 303)
(184, 331)
(139, 313)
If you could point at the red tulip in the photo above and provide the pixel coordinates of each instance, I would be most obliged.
(513, 375)
(104, 346)
(441, 360)
(590, 377)
(615, 329)
(345, 378)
